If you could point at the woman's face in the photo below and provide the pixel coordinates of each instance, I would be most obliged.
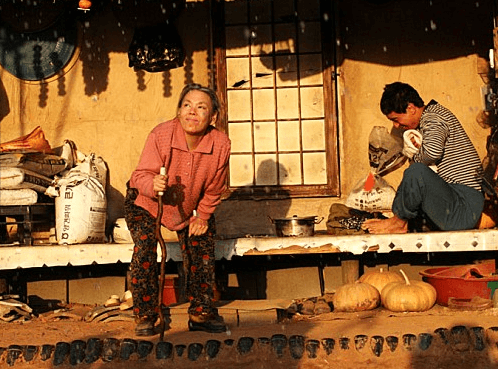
(196, 113)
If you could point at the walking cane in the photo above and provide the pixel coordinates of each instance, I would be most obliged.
(159, 236)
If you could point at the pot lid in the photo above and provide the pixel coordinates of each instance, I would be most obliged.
(36, 56)
(295, 217)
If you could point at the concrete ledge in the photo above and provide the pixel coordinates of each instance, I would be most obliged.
(15, 256)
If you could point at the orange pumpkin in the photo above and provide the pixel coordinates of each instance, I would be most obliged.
(380, 278)
(486, 221)
(408, 295)
(85, 4)
(356, 296)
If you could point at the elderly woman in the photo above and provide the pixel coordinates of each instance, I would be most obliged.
(195, 155)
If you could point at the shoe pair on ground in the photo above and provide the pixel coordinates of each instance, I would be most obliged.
(211, 323)
(309, 307)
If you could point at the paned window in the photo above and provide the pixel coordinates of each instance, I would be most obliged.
(275, 75)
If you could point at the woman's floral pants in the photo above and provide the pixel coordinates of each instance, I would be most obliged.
(198, 263)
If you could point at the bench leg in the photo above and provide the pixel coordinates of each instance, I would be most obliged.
(350, 270)
(4, 235)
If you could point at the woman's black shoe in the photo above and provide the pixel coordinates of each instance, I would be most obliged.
(145, 326)
(210, 326)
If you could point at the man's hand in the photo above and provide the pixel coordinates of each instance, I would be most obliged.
(197, 226)
(412, 140)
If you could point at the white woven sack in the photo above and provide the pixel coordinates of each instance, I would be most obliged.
(45, 164)
(80, 209)
(23, 196)
(16, 178)
(380, 197)
(80, 202)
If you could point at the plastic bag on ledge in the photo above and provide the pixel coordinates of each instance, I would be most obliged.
(384, 150)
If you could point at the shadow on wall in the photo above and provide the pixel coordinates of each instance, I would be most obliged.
(4, 102)
(116, 198)
(109, 27)
(113, 29)
(236, 218)
(425, 32)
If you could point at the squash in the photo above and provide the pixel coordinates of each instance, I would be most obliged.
(380, 278)
(408, 295)
(356, 296)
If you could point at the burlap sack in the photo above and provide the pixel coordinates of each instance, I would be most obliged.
(344, 220)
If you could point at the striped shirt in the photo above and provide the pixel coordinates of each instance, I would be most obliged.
(446, 145)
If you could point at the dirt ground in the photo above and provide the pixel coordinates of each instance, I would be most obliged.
(439, 338)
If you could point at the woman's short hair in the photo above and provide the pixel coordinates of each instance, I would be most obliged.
(397, 96)
(195, 86)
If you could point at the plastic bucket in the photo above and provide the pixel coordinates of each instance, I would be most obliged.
(463, 282)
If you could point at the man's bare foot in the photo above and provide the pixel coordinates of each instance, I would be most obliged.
(390, 225)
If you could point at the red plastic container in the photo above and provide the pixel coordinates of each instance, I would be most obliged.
(462, 282)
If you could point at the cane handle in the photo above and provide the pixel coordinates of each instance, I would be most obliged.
(162, 172)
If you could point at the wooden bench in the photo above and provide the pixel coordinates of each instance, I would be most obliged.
(25, 217)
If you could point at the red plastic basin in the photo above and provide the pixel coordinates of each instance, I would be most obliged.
(462, 282)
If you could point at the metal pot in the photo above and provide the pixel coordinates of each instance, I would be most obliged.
(295, 226)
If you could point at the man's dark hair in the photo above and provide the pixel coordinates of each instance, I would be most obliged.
(397, 96)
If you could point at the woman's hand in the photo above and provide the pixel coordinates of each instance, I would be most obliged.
(160, 183)
(197, 226)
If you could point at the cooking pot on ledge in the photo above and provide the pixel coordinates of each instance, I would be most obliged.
(295, 226)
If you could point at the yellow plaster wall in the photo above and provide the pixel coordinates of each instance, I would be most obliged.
(454, 83)
(108, 109)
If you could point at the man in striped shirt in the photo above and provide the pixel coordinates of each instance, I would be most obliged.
(447, 198)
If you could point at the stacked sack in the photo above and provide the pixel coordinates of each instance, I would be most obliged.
(30, 170)
(27, 168)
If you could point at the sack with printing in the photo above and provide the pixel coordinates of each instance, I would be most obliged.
(372, 193)
(80, 203)
(384, 151)
(15, 178)
(45, 164)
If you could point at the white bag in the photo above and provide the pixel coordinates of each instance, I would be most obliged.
(16, 178)
(121, 233)
(372, 193)
(384, 150)
(45, 164)
(80, 203)
(23, 196)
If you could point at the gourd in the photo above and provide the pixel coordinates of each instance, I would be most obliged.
(380, 278)
(408, 295)
(85, 4)
(357, 296)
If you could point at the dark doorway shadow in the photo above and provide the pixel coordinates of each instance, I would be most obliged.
(4, 103)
